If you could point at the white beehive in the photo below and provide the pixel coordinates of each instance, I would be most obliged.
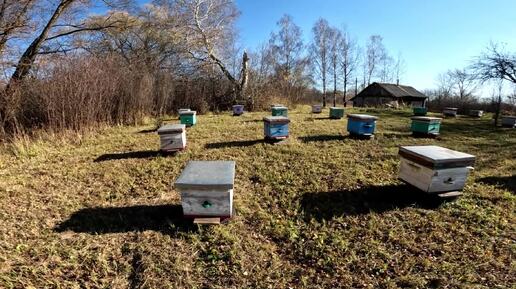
(316, 108)
(206, 189)
(476, 113)
(450, 111)
(172, 137)
(434, 169)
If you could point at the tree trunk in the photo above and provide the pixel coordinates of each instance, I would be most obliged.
(345, 88)
(324, 92)
(334, 84)
(29, 56)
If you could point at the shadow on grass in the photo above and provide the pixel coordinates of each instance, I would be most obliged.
(150, 130)
(506, 182)
(318, 118)
(229, 144)
(320, 138)
(326, 205)
(162, 218)
(132, 155)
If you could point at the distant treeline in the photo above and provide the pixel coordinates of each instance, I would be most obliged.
(66, 67)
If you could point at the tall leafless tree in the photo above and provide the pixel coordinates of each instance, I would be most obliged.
(349, 58)
(287, 50)
(375, 53)
(320, 52)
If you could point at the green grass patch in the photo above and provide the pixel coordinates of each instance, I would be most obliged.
(321, 211)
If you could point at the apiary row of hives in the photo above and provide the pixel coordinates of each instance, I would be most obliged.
(207, 187)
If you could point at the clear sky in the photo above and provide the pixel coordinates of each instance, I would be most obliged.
(432, 36)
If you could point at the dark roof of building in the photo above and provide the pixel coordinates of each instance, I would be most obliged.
(393, 90)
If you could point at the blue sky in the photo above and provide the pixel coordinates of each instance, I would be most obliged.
(432, 36)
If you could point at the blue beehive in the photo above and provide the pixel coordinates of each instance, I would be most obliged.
(275, 127)
(361, 124)
(238, 109)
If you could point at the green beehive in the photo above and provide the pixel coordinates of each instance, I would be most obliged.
(188, 118)
(420, 111)
(336, 112)
(425, 125)
(279, 111)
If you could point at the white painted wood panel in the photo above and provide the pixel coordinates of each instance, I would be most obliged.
(174, 141)
(221, 202)
(446, 180)
(433, 181)
(415, 174)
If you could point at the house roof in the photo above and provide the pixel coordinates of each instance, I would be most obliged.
(393, 90)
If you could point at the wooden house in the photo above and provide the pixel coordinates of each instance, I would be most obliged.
(387, 94)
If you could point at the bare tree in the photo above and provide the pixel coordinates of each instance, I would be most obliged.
(46, 40)
(287, 54)
(335, 43)
(349, 58)
(320, 51)
(495, 64)
(14, 20)
(399, 68)
(375, 53)
(463, 83)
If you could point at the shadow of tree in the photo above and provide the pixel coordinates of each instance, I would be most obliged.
(132, 155)
(240, 143)
(99, 220)
(505, 182)
(320, 138)
(326, 205)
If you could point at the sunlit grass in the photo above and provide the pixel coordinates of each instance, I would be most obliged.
(322, 210)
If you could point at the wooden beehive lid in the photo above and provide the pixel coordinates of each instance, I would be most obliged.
(172, 127)
(436, 157)
(276, 119)
(187, 112)
(336, 108)
(316, 105)
(216, 175)
(277, 105)
(451, 108)
(280, 107)
(238, 105)
(426, 118)
(362, 116)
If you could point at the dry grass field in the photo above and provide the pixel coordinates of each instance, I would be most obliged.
(322, 211)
